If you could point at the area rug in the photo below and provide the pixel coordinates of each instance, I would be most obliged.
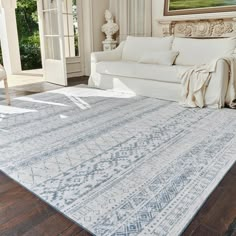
(117, 164)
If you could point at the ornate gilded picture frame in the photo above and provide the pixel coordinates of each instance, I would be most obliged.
(184, 7)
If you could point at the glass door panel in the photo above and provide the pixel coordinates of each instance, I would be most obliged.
(52, 35)
(52, 48)
(71, 31)
(51, 26)
(49, 4)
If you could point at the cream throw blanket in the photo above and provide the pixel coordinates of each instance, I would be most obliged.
(195, 81)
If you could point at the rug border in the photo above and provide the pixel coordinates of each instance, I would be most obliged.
(49, 204)
(181, 227)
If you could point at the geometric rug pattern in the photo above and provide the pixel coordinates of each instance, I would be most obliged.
(117, 164)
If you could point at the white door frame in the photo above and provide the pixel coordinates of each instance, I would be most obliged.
(8, 31)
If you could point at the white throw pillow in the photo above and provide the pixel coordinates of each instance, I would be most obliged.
(135, 47)
(202, 51)
(161, 58)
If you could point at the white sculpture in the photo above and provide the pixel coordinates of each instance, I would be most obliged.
(110, 28)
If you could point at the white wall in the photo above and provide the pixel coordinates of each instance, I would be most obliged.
(157, 12)
(158, 9)
(93, 19)
(99, 8)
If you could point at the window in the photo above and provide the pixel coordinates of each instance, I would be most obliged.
(51, 30)
(71, 28)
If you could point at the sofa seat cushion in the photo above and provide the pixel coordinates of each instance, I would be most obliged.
(143, 71)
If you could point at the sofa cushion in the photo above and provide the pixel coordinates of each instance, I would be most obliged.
(162, 58)
(142, 71)
(136, 47)
(202, 51)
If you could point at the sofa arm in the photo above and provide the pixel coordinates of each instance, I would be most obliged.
(113, 55)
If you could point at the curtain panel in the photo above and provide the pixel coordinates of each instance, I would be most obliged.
(134, 17)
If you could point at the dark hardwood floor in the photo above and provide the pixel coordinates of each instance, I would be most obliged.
(24, 214)
(219, 211)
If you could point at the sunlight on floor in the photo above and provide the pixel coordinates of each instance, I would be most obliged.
(30, 99)
(25, 77)
(13, 110)
(79, 102)
(84, 91)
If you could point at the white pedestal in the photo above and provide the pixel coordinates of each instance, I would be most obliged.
(109, 45)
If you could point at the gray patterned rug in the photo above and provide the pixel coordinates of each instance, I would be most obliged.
(114, 163)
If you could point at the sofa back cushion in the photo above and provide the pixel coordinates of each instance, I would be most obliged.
(202, 51)
(136, 47)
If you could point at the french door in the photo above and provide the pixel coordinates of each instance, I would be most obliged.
(52, 41)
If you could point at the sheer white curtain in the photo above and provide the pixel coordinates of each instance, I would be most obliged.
(133, 16)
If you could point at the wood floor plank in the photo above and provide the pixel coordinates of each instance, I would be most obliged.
(73, 230)
(202, 230)
(219, 210)
(56, 224)
(223, 212)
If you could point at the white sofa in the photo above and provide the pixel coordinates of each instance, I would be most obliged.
(121, 69)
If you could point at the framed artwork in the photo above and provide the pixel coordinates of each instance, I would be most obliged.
(183, 7)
